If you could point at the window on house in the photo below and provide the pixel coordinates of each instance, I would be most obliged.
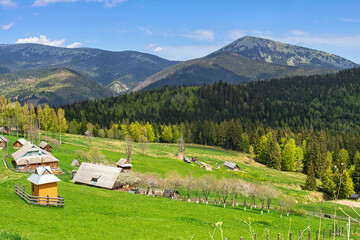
(33, 188)
(94, 181)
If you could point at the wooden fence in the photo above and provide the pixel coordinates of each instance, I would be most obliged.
(34, 200)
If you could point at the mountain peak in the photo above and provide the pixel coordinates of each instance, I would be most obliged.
(262, 49)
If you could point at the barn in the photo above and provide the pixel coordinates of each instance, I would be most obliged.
(3, 141)
(19, 143)
(29, 157)
(96, 175)
(232, 166)
(45, 146)
(75, 163)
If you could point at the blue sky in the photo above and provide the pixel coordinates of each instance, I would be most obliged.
(182, 29)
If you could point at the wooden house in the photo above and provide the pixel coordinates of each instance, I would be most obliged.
(124, 164)
(45, 146)
(96, 175)
(232, 166)
(169, 193)
(3, 141)
(43, 183)
(75, 163)
(29, 157)
(19, 143)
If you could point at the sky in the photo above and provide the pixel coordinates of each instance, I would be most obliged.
(182, 29)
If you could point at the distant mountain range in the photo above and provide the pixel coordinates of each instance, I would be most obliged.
(119, 71)
(248, 59)
(98, 73)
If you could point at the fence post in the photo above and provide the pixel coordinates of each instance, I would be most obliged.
(330, 233)
(47, 200)
(267, 236)
(317, 234)
(255, 237)
(342, 231)
(324, 234)
(309, 234)
(278, 236)
(300, 235)
(23, 191)
(290, 235)
(241, 238)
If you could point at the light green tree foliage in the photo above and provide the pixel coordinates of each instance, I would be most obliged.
(18, 117)
(32, 115)
(26, 117)
(343, 157)
(135, 131)
(54, 122)
(47, 118)
(347, 185)
(327, 181)
(288, 156)
(262, 151)
(299, 157)
(245, 142)
(125, 129)
(176, 133)
(166, 134)
(150, 132)
(63, 126)
(356, 172)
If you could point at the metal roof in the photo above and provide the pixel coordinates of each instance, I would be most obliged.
(75, 163)
(230, 164)
(106, 176)
(31, 154)
(43, 175)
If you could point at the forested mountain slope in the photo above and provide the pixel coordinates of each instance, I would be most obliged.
(321, 101)
(54, 86)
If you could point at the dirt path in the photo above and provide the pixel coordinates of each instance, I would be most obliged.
(349, 203)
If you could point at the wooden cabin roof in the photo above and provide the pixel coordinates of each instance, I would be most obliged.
(75, 163)
(43, 175)
(31, 154)
(123, 163)
(44, 144)
(2, 138)
(22, 141)
(230, 164)
(105, 176)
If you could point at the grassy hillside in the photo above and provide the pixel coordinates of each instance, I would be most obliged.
(55, 86)
(92, 213)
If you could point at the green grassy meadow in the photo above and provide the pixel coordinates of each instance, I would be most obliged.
(92, 213)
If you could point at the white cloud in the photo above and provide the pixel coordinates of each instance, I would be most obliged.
(7, 3)
(236, 33)
(74, 45)
(7, 26)
(349, 20)
(110, 3)
(151, 45)
(46, 41)
(43, 3)
(201, 35)
(158, 49)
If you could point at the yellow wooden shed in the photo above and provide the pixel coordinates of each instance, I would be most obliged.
(43, 183)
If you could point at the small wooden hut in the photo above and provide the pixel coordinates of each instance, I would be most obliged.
(19, 143)
(354, 197)
(43, 183)
(3, 141)
(45, 146)
(232, 166)
(75, 163)
(124, 164)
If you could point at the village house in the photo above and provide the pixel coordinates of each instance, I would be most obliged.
(3, 142)
(232, 166)
(19, 143)
(124, 164)
(29, 157)
(43, 183)
(45, 146)
(96, 175)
